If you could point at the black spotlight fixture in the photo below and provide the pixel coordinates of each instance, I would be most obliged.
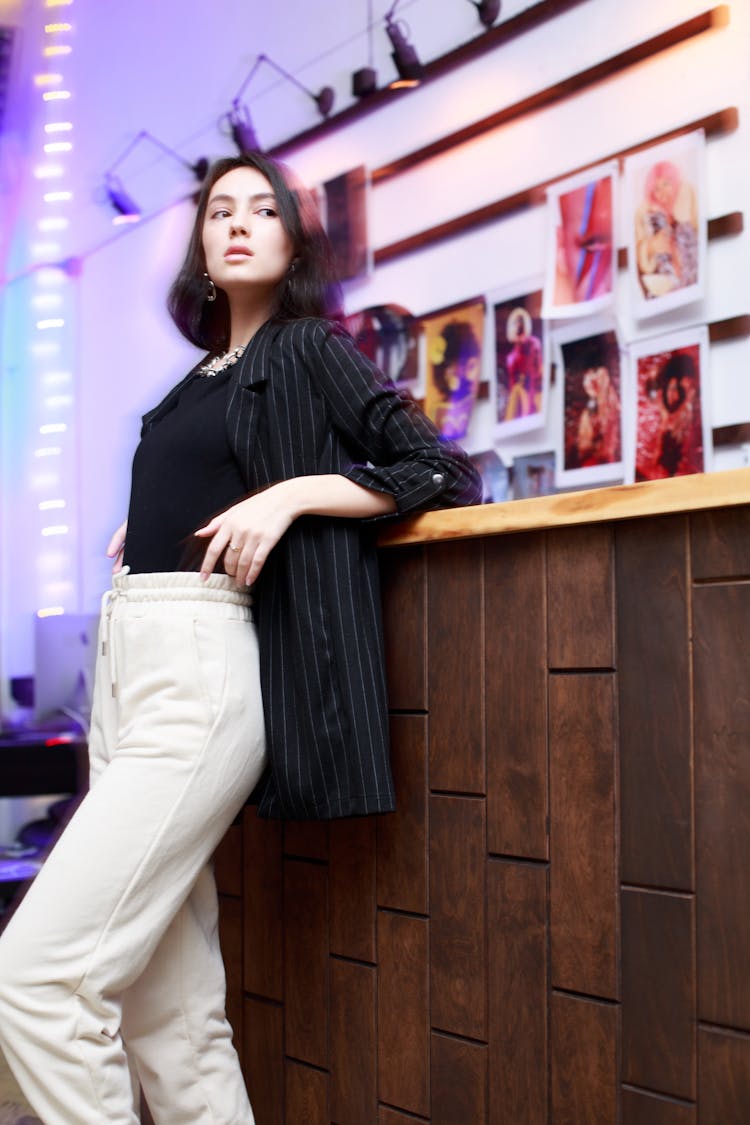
(488, 11)
(410, 69)
(127, 209)
(240, 122)
(365, 81)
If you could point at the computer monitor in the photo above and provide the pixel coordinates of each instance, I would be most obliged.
(64, 660)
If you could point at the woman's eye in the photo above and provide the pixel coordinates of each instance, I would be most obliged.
(220, 213)
(269, 212)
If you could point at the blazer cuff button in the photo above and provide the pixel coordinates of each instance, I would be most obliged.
(438, 478)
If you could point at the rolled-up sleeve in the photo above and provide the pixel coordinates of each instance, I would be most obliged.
(396, 448)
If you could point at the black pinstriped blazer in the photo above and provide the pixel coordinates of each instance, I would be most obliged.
(304, 401)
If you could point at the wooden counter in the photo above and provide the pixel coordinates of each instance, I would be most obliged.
(554, 927)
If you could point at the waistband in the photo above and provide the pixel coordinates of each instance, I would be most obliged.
(179, 586)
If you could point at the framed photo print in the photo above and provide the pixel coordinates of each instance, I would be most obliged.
(672, 425)
(453, 361)
(534, 475)
(521, 363)
(389, 336)
(581, 247)
(666, 215)
(590, 430)
(495, 476)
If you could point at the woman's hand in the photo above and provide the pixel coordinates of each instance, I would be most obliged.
(248, 532)
(117, 546)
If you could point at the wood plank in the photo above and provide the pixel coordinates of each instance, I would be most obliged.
(516, 696)
(584, 1061)
(653, 661)
(641, 1107)
(354, 1092)
(352, 887)
(458, 967)
(402, 839)
(264, 1060)
(230, 937)
(228, 862)
(720, 543)
(454, 662)
(583, 876)
(721, 658)
(306, 944)
(517, 978)
(389, 1116)
(728, 489)
(263, 903)
(404, 591)
(658, 992)
(403, 1012)
(724, 1076)
(580, 585)
(459, 1081)
(306, 1094)
(307, 839)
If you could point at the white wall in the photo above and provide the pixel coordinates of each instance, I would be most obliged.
(148, 65)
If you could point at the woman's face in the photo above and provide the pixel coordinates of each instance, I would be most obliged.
(244, 241)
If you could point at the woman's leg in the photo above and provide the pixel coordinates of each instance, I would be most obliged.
(189, 748)
(174, 1023)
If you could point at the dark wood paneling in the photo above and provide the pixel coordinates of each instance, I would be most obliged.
(306, 838)
(458, 968)
(580, 585)
(403, 1012)
(658, 992)
(720, 543)
(263, 906)
(584, 1061)
(724, 1077)
(459, 1081)
(640, 1107)
(402, 836)
(653, 661)
(353, 1043)
(455, 652)
(388, 1116)
(264, 1060)
(404, 622)
(352, 887)
(228, 863)
(230, 935)
(306, 944)
(721, 629)
(306, 1095)
(583, 877)
(516, 695)
(517, 977)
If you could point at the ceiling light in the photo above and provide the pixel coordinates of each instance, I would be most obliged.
(240, 122)
(410, 69)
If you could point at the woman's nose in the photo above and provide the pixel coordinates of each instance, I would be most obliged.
(240, 225)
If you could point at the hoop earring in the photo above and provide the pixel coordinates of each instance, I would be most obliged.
(211, 291)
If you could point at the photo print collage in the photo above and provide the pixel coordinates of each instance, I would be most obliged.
(628, 405)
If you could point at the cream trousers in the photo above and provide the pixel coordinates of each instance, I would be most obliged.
(112, 961)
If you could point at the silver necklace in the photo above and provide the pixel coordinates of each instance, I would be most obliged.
(220, 363)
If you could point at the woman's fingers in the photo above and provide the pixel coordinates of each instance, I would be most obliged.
(117, 542)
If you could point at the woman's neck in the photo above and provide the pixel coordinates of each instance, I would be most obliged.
(245, 318)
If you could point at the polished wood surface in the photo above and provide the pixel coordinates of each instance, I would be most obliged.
(553, 927)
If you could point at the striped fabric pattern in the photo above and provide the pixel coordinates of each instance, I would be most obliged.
(304, 401)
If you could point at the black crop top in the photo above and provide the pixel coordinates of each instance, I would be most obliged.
(184, 473)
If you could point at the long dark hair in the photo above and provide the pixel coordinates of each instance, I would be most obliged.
(308, 290)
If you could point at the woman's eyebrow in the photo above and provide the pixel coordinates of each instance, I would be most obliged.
(223, 198)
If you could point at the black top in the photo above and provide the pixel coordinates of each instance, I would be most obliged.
(184, 473)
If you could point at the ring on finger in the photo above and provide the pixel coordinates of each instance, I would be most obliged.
(233, 547)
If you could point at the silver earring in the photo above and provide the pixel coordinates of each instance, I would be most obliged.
(211, 291)
(292, 265)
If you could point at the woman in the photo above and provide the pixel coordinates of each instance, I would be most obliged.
(267, 457)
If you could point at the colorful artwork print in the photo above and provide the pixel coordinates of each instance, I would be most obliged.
(581, 245)
(533, 475)
(453, 343)
(592, 412)
(667, 240)
(520, 367)
(495, 476)
(672, 434)
(389, 336)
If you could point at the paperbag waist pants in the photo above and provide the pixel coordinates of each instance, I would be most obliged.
(112, 960)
